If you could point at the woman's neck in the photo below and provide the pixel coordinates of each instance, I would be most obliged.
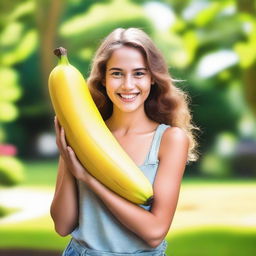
(127, 122)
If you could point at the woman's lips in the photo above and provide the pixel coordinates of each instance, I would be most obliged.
(128, 97)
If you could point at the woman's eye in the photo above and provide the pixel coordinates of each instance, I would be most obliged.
(116, 74)
(139, 74)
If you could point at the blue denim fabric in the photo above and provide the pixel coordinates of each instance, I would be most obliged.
(75, 249)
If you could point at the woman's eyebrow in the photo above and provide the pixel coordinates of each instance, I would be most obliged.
(119, 69)
(136, 69)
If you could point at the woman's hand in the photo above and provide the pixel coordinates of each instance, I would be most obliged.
(69, 156)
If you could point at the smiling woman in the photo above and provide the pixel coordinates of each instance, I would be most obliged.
(127, 80)
(150, 118)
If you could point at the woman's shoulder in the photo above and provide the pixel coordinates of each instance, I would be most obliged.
(174, 132)
(173, 138)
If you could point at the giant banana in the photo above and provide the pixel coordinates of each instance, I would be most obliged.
(86, 132)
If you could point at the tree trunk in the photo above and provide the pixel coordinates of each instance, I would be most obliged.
(249, 74)
(47, 17)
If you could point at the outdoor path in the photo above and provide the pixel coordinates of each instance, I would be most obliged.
(228, 205)
(31, 203)
(216, 204)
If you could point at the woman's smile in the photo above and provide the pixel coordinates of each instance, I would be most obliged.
(128, 97)
(128, 80)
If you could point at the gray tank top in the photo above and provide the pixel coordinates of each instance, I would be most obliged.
(98, 229)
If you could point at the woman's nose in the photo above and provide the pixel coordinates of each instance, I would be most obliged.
(128, 82)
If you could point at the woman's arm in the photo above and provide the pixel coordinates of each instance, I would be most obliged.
(151, 226)
(64, 207)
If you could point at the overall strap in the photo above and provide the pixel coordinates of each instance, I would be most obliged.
(153, 153)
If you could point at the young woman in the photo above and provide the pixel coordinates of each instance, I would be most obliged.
(150, 118)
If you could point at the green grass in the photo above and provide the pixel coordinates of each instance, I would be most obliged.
(40, 173)
(32, 239)
(217, 181)
(35, 233)
(206, 241)
(213, 241)
(4, 211)
(43, 173)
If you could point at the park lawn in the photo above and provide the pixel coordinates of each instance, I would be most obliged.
(40, 173)
(35, 233)
(212, 241)
(43, 173)
(199, 240)
(205, 241)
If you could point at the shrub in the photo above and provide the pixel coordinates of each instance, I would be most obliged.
(11, 171)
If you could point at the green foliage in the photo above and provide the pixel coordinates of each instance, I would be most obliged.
(10, 92)
(89, 27)
(211, 26)
(17, 42)
(9, 87)
(2, 133)
(180, 50)
(3, 211)
(213, 165)
(21, 51)
(207, 14)
(8, 112)
(98, 15)
(14, 10)
(11, 171)
(246, 49)
(11, 34)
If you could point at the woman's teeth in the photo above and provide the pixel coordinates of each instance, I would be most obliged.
(128, 96)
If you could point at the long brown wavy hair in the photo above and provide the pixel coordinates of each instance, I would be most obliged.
(166, 103)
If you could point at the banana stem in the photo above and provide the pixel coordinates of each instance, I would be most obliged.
(149, 201)
(61, 53)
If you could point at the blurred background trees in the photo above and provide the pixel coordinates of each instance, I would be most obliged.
(210, 47)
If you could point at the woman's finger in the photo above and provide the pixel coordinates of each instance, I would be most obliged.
(71, 156)
(58, 137)
(55, 125)
(56, 130)
(77, 169)
(63, 138)
(71, 153)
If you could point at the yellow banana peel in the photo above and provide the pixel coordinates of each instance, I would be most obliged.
(86, 132)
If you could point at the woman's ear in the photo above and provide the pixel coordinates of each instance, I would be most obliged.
(103, 82)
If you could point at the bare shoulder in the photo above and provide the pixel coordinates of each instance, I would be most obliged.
(173, 151)
(174, 139)
(175, 133)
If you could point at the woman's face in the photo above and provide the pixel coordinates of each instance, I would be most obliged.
(128, 79)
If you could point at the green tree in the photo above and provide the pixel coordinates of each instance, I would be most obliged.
(13, 41)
